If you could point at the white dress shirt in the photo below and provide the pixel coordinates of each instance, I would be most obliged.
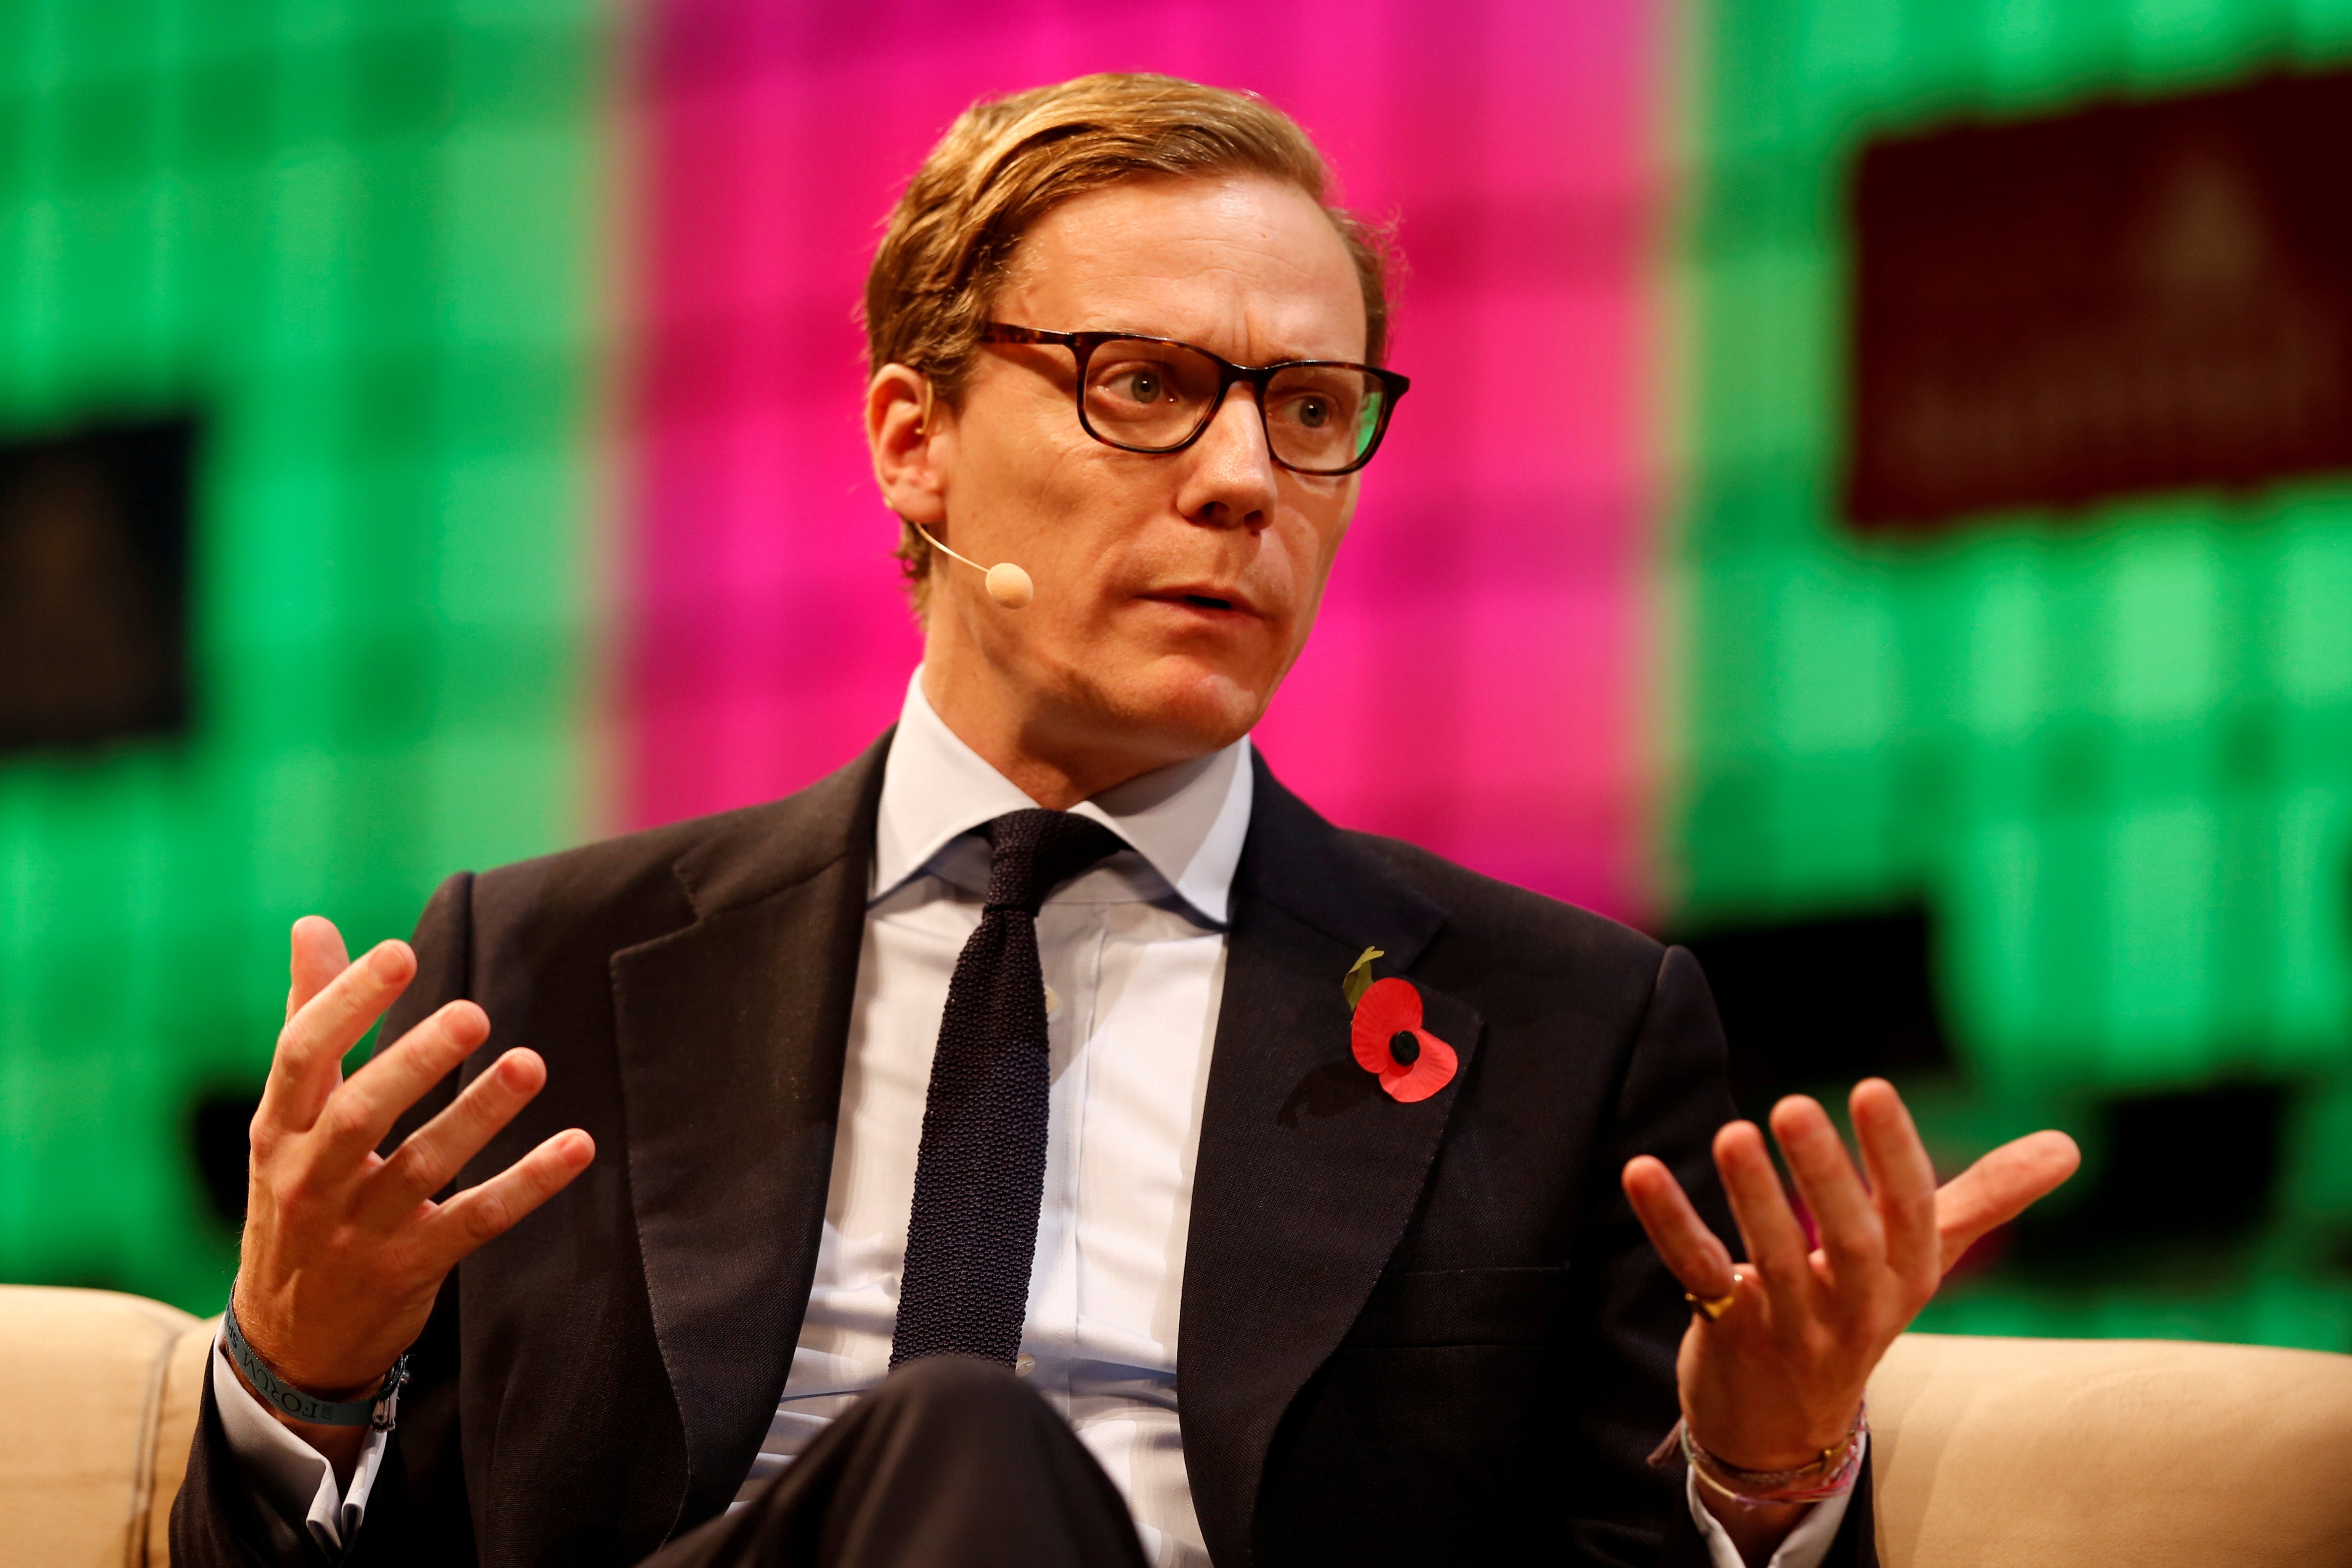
(1133, 955)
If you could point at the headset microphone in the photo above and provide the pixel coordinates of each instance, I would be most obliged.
(1007, 584)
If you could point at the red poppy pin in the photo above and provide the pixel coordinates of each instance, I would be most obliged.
(1388, 1040)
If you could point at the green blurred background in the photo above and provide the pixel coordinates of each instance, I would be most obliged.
(358, 246)
(2108, 755)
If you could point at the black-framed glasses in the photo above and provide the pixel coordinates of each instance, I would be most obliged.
(1324, 418)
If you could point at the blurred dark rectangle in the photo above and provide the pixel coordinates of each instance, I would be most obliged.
(2130, 297)
(1807, 1003)
(94, 584)
(220, 1127)
(2189, 1169)
(2201, 1162)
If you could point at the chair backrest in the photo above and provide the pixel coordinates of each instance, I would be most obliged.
(96, 1410)
(2055, 1453)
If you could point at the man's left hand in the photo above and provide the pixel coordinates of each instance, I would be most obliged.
(1779, 1377)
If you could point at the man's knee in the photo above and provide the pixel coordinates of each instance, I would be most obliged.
(959, 1390)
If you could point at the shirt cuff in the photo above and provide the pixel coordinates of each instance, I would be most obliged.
(1806, 1546)
(286, 1473)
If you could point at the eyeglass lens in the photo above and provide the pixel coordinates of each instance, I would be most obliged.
(1154, 397)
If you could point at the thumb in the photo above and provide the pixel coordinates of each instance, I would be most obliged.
(1999, 1187)
(318, 957)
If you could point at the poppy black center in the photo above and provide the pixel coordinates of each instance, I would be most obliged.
(1405, 1047)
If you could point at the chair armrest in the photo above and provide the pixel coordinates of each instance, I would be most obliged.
(83, 1384)
(175, 1431)
(2054, 1452)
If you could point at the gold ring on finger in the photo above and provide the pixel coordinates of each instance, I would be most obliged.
(1714, 1307)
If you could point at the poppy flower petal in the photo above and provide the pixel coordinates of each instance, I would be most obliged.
(1388, 1007)
(1430, 1072)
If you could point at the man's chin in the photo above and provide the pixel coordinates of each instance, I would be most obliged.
(1189, 707)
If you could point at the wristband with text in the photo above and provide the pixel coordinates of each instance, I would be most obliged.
(381, 1411)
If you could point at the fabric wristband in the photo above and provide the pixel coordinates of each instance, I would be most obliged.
(379, 1411)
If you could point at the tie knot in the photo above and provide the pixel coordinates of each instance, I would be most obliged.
(1034, 851)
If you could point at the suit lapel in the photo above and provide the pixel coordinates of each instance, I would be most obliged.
(731, 1036)
(1307, 1174)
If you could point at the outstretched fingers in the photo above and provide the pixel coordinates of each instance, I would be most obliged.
(362, 1110)
(1852, 1237)
(1999, 1187)
(310, 1048)
(1776, 1242)
(1902, 1179)
(480, 1213)
(432, 1156)
(1692, 1253)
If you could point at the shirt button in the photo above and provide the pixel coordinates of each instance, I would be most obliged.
(1052, 1002)
(1023, 1366)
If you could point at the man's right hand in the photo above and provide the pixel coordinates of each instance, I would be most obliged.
(345, 1249)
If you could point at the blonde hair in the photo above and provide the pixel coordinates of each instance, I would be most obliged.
(1007, 161)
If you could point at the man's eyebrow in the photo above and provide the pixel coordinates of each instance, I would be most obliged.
(1282, 355)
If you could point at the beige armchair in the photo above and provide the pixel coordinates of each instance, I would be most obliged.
(1989, 1453)
(98, 1406)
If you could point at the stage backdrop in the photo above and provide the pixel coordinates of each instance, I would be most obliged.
(428, 436)
(1473, 681)
(299, 340)
(2014, 561)
(392, 335)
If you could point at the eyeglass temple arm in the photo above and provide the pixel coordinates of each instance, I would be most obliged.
(999, 332)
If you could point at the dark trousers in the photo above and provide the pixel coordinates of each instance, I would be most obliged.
(949, 1461)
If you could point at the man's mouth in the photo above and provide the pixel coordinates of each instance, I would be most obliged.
(1206, 599)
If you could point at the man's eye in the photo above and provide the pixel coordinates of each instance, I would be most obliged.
(1142, 386)
(1310, 411)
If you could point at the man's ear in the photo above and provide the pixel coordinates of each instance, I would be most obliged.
(908, 431)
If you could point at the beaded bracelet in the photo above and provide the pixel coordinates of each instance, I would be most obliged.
(1830, 1476)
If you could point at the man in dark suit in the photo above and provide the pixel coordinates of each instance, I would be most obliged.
(886, 1139)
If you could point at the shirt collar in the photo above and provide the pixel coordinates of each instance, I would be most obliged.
(1186, 820)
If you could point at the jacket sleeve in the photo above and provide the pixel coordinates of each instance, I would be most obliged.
(417, 1509)
(1675, 1093)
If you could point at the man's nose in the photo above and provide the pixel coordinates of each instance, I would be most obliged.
(1232, 480)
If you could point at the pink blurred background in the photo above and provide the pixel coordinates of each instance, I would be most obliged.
(1472, 684)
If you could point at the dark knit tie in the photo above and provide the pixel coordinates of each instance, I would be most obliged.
(979, 1173)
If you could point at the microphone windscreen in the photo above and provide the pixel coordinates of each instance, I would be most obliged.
(1010, 586)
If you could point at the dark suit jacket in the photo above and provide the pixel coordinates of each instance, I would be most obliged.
(1410, 1334)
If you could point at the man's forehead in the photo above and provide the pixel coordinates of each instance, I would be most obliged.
(1243, 264)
